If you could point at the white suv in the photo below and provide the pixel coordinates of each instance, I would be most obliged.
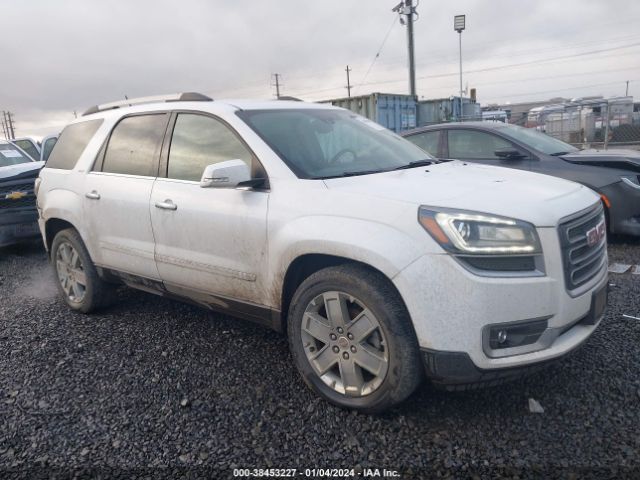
(380, 263)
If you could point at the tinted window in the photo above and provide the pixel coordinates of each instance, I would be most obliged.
(47, 146)
(323, 143)
(428, 141)
(10, 155)
(199, 141)
(470, 144)
(72, 142)
(134, 145)
(29, 147)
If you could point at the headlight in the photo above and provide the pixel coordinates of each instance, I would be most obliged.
(632, 180)
(472, 233)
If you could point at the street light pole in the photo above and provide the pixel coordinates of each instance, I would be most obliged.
(459, 26)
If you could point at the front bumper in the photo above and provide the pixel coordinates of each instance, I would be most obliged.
(624, 214)
(451, 308)
(16, 226)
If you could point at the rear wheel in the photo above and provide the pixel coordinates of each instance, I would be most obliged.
(77, 278)
(352, 339)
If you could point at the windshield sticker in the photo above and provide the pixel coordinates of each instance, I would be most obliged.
(366, 121)
(11, 153)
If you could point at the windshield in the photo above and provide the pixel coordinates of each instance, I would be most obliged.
(537, 140)
(10, 155)
(318, 143)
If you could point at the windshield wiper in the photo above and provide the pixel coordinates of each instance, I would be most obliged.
(557, 154)
(416, 163)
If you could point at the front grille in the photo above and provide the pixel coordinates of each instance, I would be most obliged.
(24, 186)
(582, 261)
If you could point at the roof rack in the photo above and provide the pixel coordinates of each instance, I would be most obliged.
(287, 97)
(176, 97)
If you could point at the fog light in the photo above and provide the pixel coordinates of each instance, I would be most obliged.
(516, 335)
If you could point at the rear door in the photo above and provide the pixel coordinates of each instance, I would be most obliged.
(117, 192)
(209, 240)
(480, 147)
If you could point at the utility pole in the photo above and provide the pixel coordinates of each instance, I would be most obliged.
(626, 93)
(10, 118)
(348, 81)
(277, 84)
(8, 123)
(406, 10)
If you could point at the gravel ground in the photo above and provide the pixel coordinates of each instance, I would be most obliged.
(156, 388)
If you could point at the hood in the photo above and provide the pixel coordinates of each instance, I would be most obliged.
(617, 158)
(21, 170)
(539, 199)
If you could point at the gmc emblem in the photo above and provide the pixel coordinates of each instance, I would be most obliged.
(596, 234)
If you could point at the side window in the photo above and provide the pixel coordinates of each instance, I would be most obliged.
(428, 141)
(71, 143)
(198, 141)
(134, 145)
(47, 146)
(470, 144)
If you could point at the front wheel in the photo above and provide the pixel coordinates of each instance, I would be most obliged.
(352, 339)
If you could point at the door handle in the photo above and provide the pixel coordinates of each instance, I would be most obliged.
(166, 205)
(93, 195)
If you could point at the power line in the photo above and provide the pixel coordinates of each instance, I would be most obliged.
(393, 24)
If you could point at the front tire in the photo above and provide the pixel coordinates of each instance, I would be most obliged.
(77, 278)
(352, 339)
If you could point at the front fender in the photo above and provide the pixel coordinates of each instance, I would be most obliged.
(378, 245)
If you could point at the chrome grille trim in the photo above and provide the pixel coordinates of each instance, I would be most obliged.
(582, 262)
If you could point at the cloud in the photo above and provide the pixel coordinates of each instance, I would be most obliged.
(70, 54)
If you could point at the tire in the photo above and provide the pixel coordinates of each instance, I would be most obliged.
(341, 361)
(76, 276)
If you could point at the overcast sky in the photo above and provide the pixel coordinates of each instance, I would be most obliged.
(65, 55)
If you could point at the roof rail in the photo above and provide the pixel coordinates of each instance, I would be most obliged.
(176, 97)
(287, 97)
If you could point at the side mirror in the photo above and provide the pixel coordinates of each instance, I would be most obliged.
(509, 154)
(225, 174)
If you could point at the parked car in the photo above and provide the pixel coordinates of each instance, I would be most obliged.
(614, 174)
(46, 146)
(378, 262)
(18, 214)
(29, 145)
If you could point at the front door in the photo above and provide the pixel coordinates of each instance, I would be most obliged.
(480, 147)
(208, 240)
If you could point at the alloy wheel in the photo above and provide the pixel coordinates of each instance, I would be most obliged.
(71, 274)
(345, 344)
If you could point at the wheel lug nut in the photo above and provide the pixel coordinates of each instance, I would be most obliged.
(333, 336)
(336, 349)
(345, 355)
(340, 330)
(350, 336)
(353, 348)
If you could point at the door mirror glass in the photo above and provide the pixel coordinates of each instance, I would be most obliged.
(227, 174)
(509, 154)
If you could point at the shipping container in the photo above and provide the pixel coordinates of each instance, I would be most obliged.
(396, 112)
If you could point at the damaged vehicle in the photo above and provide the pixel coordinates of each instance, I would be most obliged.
(381, 264)
(18, 214)
(613, 174)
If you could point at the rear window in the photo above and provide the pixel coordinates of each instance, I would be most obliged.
(10, 155)
(71, 143)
